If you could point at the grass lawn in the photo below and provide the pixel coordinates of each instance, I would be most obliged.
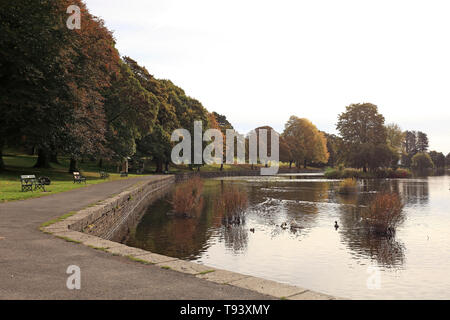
(62, 180)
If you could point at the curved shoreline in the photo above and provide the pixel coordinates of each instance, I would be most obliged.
(71, 229)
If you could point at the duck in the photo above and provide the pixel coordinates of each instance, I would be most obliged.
(252, 230)
(295, 225)
(336, 226)
(284, 225)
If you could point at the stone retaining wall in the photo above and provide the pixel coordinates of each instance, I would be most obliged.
(112, 218)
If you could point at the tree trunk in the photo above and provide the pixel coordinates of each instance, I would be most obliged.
(2, 164)
(364, 169)
(221, 167)
(198, 169)
(100, 163)
(43, 160)
(54, 158)
(73, 167)
(159, 166)
(290, 164)
(167, 166)
(304, 164)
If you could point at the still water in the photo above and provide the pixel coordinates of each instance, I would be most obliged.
(345, 262)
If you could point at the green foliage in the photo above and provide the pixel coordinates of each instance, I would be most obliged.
(364, 134)
(422, 161)
(331, 173)
(438, 159)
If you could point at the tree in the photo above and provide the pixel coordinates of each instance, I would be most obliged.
(422, 161)
(52, 78)
(285, 152)
(307, 143)
(438, 159)
(33, 64)
(409, 147)
(422, 142)
(447, 160)
(224, 125)
(362, 129)
(131, 113)
(395, 137)
(336, 149)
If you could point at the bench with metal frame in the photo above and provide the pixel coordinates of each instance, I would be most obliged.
(78, 178)
(30, 183)
(104, 175)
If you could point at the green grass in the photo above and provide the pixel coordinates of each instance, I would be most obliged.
(138, 260)
(62, 180)
(207, 271)
(69, 240)
(67, 215)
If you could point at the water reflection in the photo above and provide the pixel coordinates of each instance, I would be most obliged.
(260, 245)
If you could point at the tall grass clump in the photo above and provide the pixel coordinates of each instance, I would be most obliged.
(187, 198)
(384, 214)
(232, 204)
(348, 186)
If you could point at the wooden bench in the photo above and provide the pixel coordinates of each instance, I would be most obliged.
(78, 178)
(30, 183)
(104, 175)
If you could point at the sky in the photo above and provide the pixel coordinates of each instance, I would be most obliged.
(259, 62)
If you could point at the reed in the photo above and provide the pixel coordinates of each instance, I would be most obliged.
(348, 186)
(187, 198)
(384, 214)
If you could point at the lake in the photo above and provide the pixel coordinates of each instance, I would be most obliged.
(346, 262)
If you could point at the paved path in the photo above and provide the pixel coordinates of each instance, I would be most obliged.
(33, 264)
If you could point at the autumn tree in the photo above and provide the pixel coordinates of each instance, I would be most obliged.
(362, 130)
(307, 143)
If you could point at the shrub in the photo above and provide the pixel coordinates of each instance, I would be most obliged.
(384, 213)
(351, 173)
(401, 173)
(331, 173)
(187, 197)
(348, 186)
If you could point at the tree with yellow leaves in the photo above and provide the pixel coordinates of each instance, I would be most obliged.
(307, 144)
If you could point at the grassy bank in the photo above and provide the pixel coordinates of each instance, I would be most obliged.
(332, 173)
(17, 165)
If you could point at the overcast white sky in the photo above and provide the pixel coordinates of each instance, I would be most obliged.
(259, 62)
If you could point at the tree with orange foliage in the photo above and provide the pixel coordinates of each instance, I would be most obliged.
(307, 144)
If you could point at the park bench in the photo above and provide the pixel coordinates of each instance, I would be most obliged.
(104, 175)
(124, 174)
(78, 178)
(30, 183)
